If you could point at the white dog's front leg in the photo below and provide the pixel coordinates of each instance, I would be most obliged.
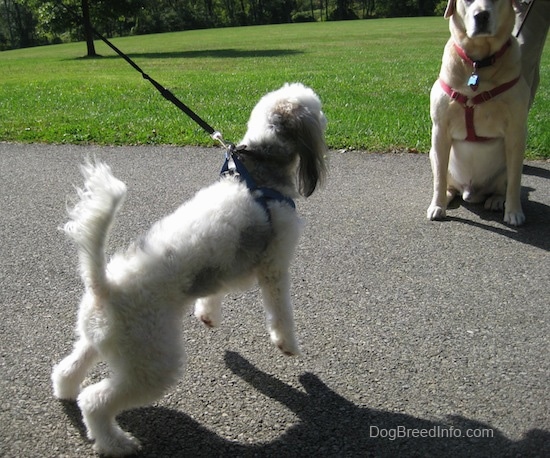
(275, 288)
(440, 152)
(209, 310)
(513, 213)
(439, 159)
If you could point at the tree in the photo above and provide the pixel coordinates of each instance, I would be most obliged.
(88, 29)
(403, 8)
(17, 25)
(343, 10)
(81, 17)
(30, 22)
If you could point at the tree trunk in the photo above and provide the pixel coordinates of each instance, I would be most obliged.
(10, 24)
(88, 33)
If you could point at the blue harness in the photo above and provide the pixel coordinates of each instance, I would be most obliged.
(234, 167)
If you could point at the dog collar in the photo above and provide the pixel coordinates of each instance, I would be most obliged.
(234, 167)
(473, 81)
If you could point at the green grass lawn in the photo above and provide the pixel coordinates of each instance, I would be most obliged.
(373, 76)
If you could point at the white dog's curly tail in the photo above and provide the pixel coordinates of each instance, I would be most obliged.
(91, 220)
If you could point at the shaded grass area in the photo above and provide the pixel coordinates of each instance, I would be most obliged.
(373, 77)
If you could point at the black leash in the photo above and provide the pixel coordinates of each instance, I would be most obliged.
(216, 135)
(163, 91)
(529, 7)
(232, 166)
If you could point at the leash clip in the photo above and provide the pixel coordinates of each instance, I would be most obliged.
(229, 167)
(217, 135)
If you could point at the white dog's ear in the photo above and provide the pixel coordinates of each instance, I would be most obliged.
(303, 123)
(312, 151)
(288, 125)
(449, 11)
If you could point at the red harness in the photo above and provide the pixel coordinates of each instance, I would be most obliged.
(469, 103)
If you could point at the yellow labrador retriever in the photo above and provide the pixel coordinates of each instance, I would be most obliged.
(479, 110)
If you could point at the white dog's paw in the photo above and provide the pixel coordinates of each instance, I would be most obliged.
(516, 218)
(119, 443)
(436, 212)
(495, 202)
(287, 344)
(210, 314)
(208, 320)
(63, 386)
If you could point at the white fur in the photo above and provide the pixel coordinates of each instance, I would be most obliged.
(221, 239)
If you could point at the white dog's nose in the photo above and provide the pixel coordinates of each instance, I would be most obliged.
(482, 21)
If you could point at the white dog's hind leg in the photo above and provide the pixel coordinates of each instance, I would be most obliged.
(275, 288)
(68, 375)
(495, 202)
(100, 403)
(142, 371)
(451, 194)
(209, 310)
(497, 191)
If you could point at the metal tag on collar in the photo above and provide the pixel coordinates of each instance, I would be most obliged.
(473, 81)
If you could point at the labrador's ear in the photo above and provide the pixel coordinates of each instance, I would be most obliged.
(449, 11)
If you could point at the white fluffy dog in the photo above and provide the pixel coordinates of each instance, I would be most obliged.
(240, 229)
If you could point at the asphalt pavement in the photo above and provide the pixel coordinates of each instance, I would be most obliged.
(419, 338)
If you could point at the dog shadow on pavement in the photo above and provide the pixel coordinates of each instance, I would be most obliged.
(329, 426)
(536, 171)
(535, 231)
